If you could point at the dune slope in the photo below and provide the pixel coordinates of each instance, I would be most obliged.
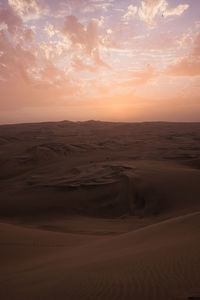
(160, 261)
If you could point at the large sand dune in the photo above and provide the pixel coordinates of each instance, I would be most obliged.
(94, 210)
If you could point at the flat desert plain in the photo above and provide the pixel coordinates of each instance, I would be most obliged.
(98, 210)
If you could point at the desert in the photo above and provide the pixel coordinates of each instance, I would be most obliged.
(100, 210)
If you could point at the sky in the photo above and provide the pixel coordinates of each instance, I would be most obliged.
(111, 60)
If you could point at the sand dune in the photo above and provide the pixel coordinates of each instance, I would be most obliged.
(157, 262)
(108, 189)
(96, 210)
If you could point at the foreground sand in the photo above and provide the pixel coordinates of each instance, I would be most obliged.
(100, 211)
(160, 261)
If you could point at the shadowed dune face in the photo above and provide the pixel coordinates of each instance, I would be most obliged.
(104, 190)
(99, 169)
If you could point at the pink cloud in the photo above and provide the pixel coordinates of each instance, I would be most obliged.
(188, 65)
(150, 9)
(26, 8)
(131, 12)
(10, 18)
(85, 38)
(196, 51)
(14, 60)
(177, 11)
(79, 65)
(26, 77)
(140, 78)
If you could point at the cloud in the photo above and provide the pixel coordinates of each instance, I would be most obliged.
(196, 50)
(13, 23)
(75, 31)
(185, 40)
(96, 5)
(54, 50)
(150, 9)
(86, 39)
(10, 18)
(79, 65)
(50, 30)
(98, 61)
(188, 65)
(28, 35)
(62, 8)
(27, 80)
(20, 61)
(26, 8)
(177, 11)
(25, 64)
(49, 73)
(15, 41)
(140, 78)
(131, 12)
(15, 60)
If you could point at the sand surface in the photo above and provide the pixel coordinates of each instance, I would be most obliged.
(96, 210)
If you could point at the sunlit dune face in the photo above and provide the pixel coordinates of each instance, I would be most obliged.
(114, 60)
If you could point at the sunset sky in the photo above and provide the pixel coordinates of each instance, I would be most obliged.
(111, 60)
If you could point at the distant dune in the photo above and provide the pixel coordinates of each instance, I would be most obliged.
(98, 210)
